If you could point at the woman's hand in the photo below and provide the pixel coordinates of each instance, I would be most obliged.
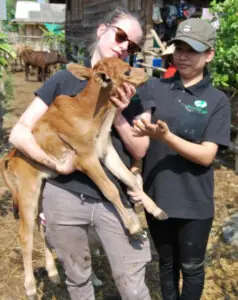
(136, 196)
(124, 95)
(158, 131)
(66, 165)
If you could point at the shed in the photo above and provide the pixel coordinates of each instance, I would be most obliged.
(35, 15)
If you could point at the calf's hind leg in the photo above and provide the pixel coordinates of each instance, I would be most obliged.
(28, 207)
(49, 260)
(28, 202)
(90, 165)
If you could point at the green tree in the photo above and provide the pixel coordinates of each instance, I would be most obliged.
(225, 64)
(6, 53)
(55, 40)
(11, 8)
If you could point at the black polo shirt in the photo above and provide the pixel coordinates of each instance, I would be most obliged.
(199, 113)
(64, 83)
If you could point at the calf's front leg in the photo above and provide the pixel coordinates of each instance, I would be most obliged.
(115, 165)
(90, 165)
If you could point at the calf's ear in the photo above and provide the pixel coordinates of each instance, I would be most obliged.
(81, 72)
(103, 79)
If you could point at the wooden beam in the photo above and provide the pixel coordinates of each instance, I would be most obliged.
(151, 67)
(148, 36)
(236, 155)
(158, 40)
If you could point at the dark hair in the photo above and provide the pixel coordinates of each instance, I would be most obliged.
(112, 18)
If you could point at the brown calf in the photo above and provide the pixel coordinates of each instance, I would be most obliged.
(84, 131)
(42, 60)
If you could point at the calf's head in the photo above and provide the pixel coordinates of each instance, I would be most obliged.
(110, 72)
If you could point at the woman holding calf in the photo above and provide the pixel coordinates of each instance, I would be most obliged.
(72, 202)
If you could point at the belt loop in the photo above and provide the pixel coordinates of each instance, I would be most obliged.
(82, 197)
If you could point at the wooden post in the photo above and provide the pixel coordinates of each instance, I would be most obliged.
(148, 36)
(156, 37)
(236, 153)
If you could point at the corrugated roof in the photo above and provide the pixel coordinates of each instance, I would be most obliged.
(3, 10)
(33, 12)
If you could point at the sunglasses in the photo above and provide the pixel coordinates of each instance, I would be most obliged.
(122, 37)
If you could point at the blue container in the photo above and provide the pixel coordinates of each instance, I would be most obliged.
(157, 62)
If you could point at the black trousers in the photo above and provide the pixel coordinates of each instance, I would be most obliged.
(181, 245)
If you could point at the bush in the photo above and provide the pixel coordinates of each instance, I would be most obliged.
(224, 67)
(6, 53)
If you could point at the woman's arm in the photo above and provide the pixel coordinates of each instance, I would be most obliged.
(137, 146)
(203, 154)
(22, 138)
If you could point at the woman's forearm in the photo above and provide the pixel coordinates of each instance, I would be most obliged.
(22, 138)
(202, 154)
(137, 146)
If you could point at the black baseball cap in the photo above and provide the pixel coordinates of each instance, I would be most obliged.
(197, 33)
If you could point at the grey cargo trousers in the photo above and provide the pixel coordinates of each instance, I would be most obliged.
(67, 219)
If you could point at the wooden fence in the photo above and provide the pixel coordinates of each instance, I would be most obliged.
(37, 42)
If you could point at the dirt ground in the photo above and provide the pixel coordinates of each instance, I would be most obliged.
(221, 262)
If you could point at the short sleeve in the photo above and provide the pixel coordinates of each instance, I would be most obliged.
(52, 87)
(145, 93)
(218, 129)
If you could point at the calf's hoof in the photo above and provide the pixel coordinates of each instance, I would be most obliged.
(135, 229)
(141, 236)
(55, 279)
(138, 233)
(96, 281)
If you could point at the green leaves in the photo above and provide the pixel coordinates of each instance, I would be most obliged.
(5, 47)
(224, 67)
(54, 40)
(6, 52)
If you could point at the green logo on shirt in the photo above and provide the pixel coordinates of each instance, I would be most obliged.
(200, 103)
(199, 106)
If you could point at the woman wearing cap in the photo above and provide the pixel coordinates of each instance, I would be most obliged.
(190, 122)
(72, 202)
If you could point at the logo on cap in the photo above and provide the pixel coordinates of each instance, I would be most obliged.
(187, 28)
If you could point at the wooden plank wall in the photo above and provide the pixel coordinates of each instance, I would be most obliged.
(83, 16)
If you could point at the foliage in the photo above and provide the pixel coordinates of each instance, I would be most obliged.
(56, 41)
(8, 25)
(6, 53)
(9, 91)
(225, 64)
